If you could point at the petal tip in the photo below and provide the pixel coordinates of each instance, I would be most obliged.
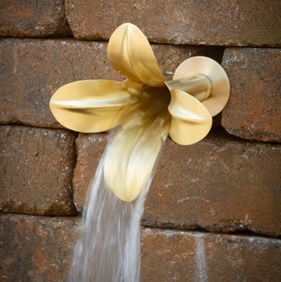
(191, 120)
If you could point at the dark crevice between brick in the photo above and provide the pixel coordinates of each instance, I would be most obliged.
(75, 157)
(19, 123)
(215, 52)
(221, 132)
(40, 37)
(245, 232)
(15, 123)
(58, 216)
(74, 133)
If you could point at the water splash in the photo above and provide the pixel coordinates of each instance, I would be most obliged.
(109, 246)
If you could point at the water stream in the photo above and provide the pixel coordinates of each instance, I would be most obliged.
(109, 245)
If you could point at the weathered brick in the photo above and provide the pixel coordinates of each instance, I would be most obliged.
(32, 70)
(90, 148)
(218, 184)
(40, 249)
(168, 256)
(253, 110)
(192, 256)
(35, 248)
(37, 166)
(215, 22)
(169, 57)
(23, 18)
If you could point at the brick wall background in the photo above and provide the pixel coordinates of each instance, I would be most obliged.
(213, 212)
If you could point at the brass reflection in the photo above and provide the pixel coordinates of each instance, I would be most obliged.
(146, 108)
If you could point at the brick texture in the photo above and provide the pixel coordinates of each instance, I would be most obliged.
(36, 170)
(35, 248)
(192, 256)
(253, 111)
(24, 18)
(213, 210)
(218, 184)
(32, 70)
(215, 22)
(90, 148)
(44, 248)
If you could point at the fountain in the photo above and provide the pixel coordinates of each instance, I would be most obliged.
(140, 112)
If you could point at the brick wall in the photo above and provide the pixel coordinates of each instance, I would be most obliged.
(213, 212)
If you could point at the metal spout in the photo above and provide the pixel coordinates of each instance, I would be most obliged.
(199, 86)
(205, 80)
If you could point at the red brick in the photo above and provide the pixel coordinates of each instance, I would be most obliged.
(32, 70)
(90, 148)
(24, 18)
(37, 166)
(167, 256)
(218, 184)
(253, 110)
(40, 249)
(215, 22)
(36, 248)
(169, 57)
(192, 256)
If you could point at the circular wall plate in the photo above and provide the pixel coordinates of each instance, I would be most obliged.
(213, 70)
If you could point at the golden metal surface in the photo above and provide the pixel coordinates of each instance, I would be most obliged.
(90, 105)
(191, 121)
(215, 73)
(198, 86)
(130, 53)
(146, 107)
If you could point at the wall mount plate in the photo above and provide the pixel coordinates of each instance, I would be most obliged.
(215, 72)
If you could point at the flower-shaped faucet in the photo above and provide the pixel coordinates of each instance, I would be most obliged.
(145, 107)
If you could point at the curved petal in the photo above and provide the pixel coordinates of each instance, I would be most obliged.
(191, 121)
(89, 105)
(131, 156)
(129, 52)
(130, 159)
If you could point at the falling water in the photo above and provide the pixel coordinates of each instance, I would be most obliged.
(109, 246)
